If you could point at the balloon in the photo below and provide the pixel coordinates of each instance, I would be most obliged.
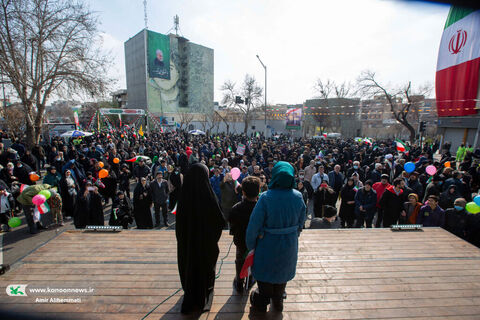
(100, 164)
(472, 207)
(447, 164)
(34, 176)
(103, 173)
(38, 199)
(14, 222)
(116, 160)
(431, 170)
(47, 194)
(235, 173)
(477, 200)
(409, 167)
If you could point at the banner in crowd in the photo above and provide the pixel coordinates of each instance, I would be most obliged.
(294, 119)
(158, 55)
(241, 149)
(458, 63)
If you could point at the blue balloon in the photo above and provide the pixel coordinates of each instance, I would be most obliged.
(477, 200)
(409, 167)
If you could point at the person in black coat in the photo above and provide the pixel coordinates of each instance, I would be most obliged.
(472, 232)
(110, 182)
(6, 174)
(68, 191)
(329, 220)
(447, 198)
(323, 196)
(142, 202)
(365, 205)
(88, 209)
(456, 218)
(175, 180)
(124, 180)
(199, 224)
(121, 211)
(141, 170)
(392, 202)
(238, 219)
(159, 192)
(22, 172)
(347, 206)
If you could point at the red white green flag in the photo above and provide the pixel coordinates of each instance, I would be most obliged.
(174, 211)
(458, 63)
(401, 146)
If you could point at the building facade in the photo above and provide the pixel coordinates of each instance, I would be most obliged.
(168, 75)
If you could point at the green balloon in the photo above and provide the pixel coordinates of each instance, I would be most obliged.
(14, 222)
(472, 207)
(47, 194)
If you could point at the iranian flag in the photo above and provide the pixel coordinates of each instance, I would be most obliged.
(247, 265)
(401, 146)
(458, 64)
(174, 211)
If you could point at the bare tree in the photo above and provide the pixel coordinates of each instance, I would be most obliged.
(328, 89)
(47, 47)
(14, 120)
(250, 92)
(185, 119)
(400, 100)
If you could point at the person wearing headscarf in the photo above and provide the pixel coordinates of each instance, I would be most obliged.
(68, 191)
(174, 185)
(142, 202)
(121, 211)
(456, 218)
(412, 208)
(347, 206)
(447, 198)
(88, 209)
(273, 230)
(229, 194)
(53, 177)
(199, 224)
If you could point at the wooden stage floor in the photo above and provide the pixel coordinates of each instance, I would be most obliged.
(341, 274)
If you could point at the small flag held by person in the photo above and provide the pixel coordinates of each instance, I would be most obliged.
(174, 211)
(247, 265)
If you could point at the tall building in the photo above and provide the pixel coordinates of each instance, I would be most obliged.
(168, 74)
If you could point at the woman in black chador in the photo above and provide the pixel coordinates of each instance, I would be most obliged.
(199, 225)
(142, 201)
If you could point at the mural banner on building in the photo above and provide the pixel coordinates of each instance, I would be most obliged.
(158, 55)
(294, 119)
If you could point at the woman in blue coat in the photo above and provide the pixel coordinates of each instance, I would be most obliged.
(273, 230)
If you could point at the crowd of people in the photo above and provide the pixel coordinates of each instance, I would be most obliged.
(368, 183)
(259, 188)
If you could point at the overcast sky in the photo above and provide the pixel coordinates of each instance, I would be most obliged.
(299, 41)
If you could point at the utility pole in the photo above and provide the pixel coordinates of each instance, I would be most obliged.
(145, 13)
(265, 106)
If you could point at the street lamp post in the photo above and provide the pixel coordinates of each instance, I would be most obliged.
(265, 106)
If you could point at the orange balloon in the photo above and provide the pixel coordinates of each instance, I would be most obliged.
(100, 164)
(447, 164)
(34, 177)
(103, 173)
(116, 160)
